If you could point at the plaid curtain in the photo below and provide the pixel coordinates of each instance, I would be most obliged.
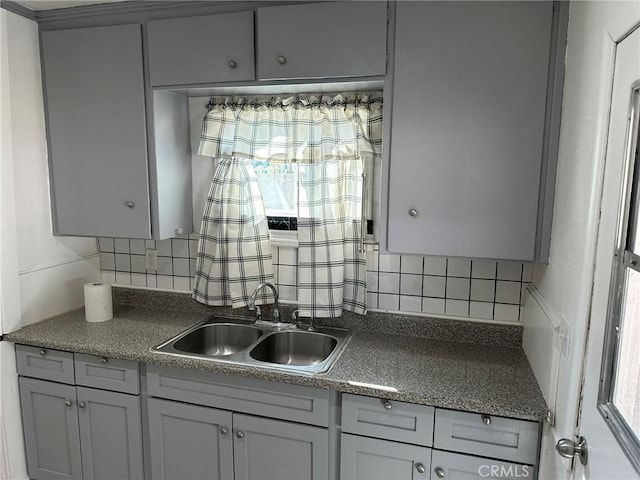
(333, 140)
(234, 252)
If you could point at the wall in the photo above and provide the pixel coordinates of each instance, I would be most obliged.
(453, 287)
(565, 285)
(41, 275)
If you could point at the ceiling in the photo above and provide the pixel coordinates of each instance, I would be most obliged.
(53, 4)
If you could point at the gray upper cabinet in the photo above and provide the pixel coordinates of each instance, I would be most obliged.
(469, 100)
(96, 128)
(201, 50)
(324, 40)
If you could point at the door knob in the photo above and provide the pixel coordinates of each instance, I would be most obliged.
(223, 431)
(82, 404)
(439, 471)
(233, 63)
(567, 448)
(239, 434)
(386, 404)
(413, 212)
(420, 468)
(282, 60)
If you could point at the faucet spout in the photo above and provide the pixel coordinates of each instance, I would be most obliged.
(276, 309)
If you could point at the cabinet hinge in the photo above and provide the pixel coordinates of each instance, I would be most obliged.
(550, 417)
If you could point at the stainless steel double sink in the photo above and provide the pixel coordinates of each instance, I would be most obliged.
(241, 341)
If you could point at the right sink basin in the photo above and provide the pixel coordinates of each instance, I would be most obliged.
(294, 347)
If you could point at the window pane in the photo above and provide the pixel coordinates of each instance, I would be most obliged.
(626, 395)
(279, 186)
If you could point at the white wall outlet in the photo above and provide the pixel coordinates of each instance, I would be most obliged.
(151, 260)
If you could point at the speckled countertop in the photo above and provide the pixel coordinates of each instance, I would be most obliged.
(485, 377)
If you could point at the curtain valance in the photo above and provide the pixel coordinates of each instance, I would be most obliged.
(297, 128)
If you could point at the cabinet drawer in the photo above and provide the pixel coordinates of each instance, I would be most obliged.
(43, 363)
(389, 419)
(456, 466)
(107, 373)
(276, 400)
(497, 437)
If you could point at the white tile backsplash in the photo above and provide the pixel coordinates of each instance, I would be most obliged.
(480, 289)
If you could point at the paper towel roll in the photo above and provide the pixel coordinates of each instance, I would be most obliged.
(97, 302)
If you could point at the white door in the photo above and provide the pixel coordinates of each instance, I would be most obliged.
(606, 457)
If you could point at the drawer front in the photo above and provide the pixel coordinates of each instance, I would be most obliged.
(247, 395)
(53, 365)
(389, 419)
(497, 437)
(107, 373)
(456, 466)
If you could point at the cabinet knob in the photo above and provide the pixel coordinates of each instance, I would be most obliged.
(420, 468)
(413, 212)
(439, 471)
(282, 60)
(130, 204)
(486, 419)
(233, 63)
(104, 360)
(239, 434)
(224, 430)
(68, 403)
(43, 353)
(82, 404)
(386, 404)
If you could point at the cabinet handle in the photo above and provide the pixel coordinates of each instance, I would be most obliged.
(282, 60)
(239, 434)
(68, 403)
(223, 430)
(233, 63)
(413, 212)
(104, 360)
(43, 353)
(130, 204)
(82, 404)
(386, 404)
(486, 419)
(439, 471)
(420, 468)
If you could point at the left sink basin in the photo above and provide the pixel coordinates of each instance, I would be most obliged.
(217, 339)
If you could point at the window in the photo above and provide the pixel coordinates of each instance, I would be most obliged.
(619, 399)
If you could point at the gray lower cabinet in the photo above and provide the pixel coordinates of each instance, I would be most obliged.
(51, 432)
(80, 433)
(266, 449)
(364, 458)
(456, 466)
(192, 442)
(467, 134)
(189, 442)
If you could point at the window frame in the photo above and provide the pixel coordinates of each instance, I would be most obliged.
(624, 259)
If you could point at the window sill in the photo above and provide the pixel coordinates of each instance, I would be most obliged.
(284, 238)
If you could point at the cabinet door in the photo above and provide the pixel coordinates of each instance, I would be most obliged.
(50, 421)
(469, 95)
(276, 450)
(95, 112)
(334, 39)
(364, 458)
(189, 442)
(456, 466)
(204, 49)
(110, 434)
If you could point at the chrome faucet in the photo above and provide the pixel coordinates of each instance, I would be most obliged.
(252, 302)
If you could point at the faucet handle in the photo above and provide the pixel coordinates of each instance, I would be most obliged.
(258, 313)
